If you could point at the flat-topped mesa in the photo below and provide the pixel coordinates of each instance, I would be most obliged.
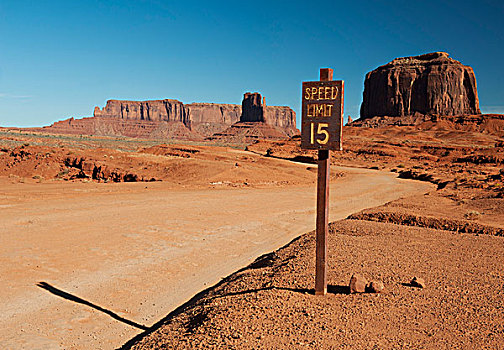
(205, 119)
(156, 110)
(429, 84)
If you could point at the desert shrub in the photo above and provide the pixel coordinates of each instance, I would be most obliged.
(472, 215)
(62, 173)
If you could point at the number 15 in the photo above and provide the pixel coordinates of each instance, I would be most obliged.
(320, 131)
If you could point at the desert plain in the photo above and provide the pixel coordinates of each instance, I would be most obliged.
(137, 244)
(251, 175)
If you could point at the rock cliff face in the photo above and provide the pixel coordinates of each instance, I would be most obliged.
(123, 127)
(430, 84)
(254, 109)
(205, 119)
(258, 121)
(492, 124)
(171, 111)
(172, 119)
(210, 118)
(281, 117)
(159, 110)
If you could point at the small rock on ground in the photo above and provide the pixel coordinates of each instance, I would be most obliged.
(375, 287)
(357, 284)
(418, 282)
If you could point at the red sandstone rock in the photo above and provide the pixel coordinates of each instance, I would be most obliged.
(156, 110)
(122, 127)
(211, 118)
(171, 119)
(492, 124)
(254, 109)
(418, 282)
(430, 84)
(357, 284)
(206, 119)
(375, 287)
(281, 117)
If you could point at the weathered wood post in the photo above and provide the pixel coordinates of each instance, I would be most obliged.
(321, 129)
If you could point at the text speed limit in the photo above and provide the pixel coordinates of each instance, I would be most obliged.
(322, 115)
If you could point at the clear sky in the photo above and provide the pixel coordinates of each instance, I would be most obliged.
(62, 58)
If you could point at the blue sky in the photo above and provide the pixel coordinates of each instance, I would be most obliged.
(62, 58)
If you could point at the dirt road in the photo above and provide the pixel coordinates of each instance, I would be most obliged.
(87, 266)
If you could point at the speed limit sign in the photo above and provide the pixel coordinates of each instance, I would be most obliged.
(322, 115)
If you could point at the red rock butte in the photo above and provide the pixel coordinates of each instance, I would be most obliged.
(429, 84)
(172, 119)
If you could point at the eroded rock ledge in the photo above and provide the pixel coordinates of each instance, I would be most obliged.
(206, 119)
(429, 84)
(172, 119)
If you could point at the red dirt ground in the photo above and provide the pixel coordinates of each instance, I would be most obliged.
(451, 237)
(38, 158)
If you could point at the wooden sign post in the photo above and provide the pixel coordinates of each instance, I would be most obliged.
(321, 129)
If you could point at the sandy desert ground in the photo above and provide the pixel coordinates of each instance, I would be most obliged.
(100, 264)
(140, 251)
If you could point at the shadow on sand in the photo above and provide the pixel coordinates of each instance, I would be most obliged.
(331, 289)
(76, 299)
(262, 261)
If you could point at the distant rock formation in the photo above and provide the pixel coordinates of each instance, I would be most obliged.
(203, 118)
(172, 119)
(252, 108)
(259, 121)
(123, 127)
(210, 118)
(430, 84)
(160, 110)
(484, 123)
